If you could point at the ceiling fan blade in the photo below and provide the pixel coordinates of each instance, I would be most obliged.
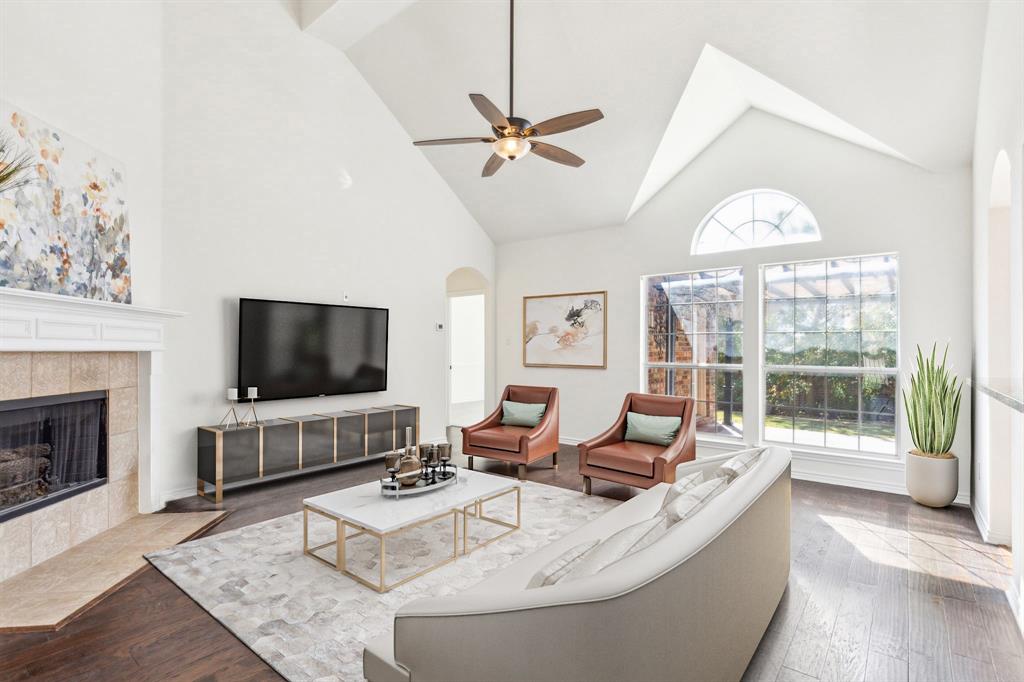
(492, 166)
(556, 154)
(559, 124)
(453, 140)
(489, 111)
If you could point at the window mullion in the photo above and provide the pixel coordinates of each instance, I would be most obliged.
(858, 404)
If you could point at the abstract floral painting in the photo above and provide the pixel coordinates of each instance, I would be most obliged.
(66, 231)
(565, 330)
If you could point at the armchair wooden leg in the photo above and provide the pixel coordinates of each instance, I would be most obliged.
(586, 485)
(469, 465)
(554, 459)
(521, 472)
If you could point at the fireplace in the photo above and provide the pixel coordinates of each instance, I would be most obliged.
(51, 448)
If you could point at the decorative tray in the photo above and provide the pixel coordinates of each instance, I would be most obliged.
(437, 479)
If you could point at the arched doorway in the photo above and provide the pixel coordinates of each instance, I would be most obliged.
(467, 312)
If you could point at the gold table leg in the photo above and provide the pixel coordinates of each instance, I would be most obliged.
(478, 513)
(342, 536)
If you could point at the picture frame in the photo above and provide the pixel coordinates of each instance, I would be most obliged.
(566, 330)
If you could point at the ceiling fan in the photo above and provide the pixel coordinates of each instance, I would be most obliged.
(514, 137)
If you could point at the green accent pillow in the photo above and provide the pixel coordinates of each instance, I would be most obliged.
(646, 428)
(522, 414)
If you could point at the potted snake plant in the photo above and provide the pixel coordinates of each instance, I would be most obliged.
(933, 405)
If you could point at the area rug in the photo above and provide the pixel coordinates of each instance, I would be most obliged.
(310, 622)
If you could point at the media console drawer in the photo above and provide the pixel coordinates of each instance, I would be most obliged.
(233, 456)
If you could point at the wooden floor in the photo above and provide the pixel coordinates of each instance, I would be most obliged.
(881, 589)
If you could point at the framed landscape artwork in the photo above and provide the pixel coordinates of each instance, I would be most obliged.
(566, 330)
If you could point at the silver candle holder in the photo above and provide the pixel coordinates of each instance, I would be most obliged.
(232, 396)
(251, 393)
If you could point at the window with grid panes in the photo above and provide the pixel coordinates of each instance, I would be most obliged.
(694, 344)
(831, 353)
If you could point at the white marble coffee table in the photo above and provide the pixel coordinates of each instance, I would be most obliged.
(363, 509)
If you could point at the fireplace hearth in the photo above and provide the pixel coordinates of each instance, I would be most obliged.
(51, 448)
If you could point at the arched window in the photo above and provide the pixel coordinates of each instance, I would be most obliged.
(755, 218)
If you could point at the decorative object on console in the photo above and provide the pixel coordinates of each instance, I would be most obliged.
(232, 397)
(933, 406)
(611, 457)
(251, 394)
(566, 330)
(66, 232)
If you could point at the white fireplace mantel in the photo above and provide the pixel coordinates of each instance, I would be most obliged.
(41, 322)
(37, 321)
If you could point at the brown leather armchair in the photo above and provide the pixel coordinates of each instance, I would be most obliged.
(610, 457)
(518, 444)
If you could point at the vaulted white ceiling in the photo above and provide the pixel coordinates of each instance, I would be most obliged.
(719, 91)
(898, 78)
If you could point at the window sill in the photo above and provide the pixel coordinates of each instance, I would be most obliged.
(720, 442)
(826, 454)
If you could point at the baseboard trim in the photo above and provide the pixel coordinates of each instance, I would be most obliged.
(171, 495)
(880, 474)
(986, 531)
(862, 474)
(1013, 596)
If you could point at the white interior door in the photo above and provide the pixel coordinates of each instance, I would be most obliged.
(466, 359)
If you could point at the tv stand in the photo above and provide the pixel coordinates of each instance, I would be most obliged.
(233, 456)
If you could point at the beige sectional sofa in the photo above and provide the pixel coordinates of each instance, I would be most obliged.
(691, 606)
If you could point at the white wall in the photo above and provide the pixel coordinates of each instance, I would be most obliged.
(864, 202)
(92, 69)
(1000, 126)
(466, 321)
(287, 178)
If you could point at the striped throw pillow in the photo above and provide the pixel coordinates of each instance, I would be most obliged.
(690, 502)
(681, 486)
(559, 567)
(741, 463)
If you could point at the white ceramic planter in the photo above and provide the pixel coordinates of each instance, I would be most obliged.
(931, 481)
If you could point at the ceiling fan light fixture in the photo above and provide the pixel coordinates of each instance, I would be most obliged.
(514, 136)
(511, 148)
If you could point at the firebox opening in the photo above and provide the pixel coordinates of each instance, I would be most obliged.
(51, 448)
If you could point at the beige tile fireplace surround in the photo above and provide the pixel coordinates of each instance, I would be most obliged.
(58, 560)
(34, 537)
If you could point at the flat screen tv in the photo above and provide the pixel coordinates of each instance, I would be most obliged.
(300, 350)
